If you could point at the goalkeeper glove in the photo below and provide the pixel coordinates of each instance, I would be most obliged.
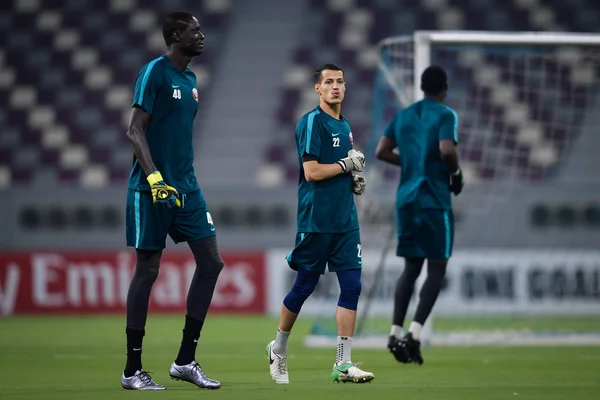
(359, 183)
(162, 194)
(354, 162)
(457, 182)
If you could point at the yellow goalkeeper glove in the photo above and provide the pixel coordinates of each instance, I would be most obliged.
(162, 194)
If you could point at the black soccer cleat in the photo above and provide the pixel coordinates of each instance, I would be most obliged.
(413, 348)
(391, 342)
(398, 349)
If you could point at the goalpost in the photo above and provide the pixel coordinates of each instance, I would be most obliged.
(522, 99)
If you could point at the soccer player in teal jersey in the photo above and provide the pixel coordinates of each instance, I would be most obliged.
(422, 140)
(328, 231)
(164, 199)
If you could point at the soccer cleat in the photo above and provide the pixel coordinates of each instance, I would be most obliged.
(140, 381)
(398, 349)
(192, 373)
(277, 365)
(349, 372)
(392, 341)
(412, 348)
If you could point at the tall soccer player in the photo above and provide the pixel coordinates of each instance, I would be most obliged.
(164, 198)
(422, 140)
(328, 231)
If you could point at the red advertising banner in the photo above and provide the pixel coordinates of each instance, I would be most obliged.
(97, 282)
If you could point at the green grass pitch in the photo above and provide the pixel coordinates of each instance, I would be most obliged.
(82, 358)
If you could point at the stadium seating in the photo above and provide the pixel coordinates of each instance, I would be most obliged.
(345, 32)
(565, 216)
(110, 218)
(67, 68)
(66, 76)
(65, 100)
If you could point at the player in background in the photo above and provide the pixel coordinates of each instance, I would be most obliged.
(164, 198)
(422, 140)
(328, 230)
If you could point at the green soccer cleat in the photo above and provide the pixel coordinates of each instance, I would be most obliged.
(349, 372)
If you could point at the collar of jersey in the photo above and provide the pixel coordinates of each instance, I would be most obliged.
(170, 64)
(342, 118)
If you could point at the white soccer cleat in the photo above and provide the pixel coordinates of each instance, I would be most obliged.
(349, 372)
(277, 365)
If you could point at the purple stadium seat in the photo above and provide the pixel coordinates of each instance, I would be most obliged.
(302, 56)
(21, 174)
(291, 173)
(276, 154)
(100, 156)
(119, 174)
(49, 158)
(6, 156)
(68, 176)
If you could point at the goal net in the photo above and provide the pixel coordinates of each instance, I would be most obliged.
(523, 100)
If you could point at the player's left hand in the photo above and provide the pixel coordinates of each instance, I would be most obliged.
(359, 183)
(163, 194)
(457, 182)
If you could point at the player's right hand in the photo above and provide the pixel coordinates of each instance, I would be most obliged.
(359, 183)
(457, 182)
(354, 162)
(162, 194)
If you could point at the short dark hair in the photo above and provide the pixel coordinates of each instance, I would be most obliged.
(319, 71)
(434, 80)
(176, 21)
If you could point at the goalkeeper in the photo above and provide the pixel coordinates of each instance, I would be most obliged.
(164, 198)
(328, 232)
(425, 137)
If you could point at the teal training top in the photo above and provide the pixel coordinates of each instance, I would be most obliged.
(171, 98)
(326, 206)
(417, 131)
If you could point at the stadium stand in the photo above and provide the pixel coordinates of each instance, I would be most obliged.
(65, 100)
(348, 30)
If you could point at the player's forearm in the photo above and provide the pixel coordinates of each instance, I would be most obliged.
(389, 157)
(387, 151)
(449, 154)
(141, 150)
(451, 160)
(319, 172)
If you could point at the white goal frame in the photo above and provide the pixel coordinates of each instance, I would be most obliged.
(422, 43)
(424, 39)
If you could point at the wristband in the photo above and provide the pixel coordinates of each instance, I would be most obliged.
(154, 178)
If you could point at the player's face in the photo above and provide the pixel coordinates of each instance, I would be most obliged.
(191, 39)
(332, 87)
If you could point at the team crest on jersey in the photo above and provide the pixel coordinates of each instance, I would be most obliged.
(195, 93)
(351, 138)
